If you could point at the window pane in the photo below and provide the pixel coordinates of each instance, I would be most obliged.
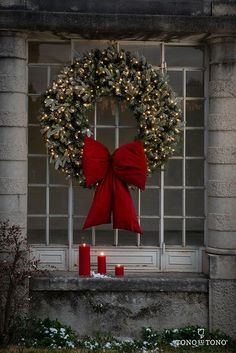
(40, 52)
(195, 113)
(90, 116)
(80, 235)
(35, 141)
(104, 234)
(37, 170)
(194, 84)
(173, 172)
(154, 179)
(179, 146)
(173, 231)
(34, 103)
(86, 45)
(194, 143)
(58, 230)
(150, 202)
(37, 79)
(58, 200)
(127, 135)
(126, 117)
(150, 236)
(176, 82)
(36, 200)
(195, 232)
(195, 202)
(82, 200)
(106, 111)
(173, 202)
(151, 51)
(184, 56)
(56, 176)
(127, 238)
(54, 72)
(194, 172)
(107, 137)
(36, 228)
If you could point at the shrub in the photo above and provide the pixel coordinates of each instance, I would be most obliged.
(47, 334)
(16, 268)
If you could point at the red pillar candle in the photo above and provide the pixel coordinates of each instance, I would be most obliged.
(119, 270)
(102, 267)
(84, 260)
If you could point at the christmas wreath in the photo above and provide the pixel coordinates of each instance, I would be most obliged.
(117, 73)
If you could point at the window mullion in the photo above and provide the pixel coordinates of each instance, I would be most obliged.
(184, 161)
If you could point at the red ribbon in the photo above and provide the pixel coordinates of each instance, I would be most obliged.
(127, 165)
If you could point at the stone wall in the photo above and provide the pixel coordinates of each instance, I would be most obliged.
(122, 306)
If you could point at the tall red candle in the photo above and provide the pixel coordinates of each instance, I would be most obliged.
(84, 260)
(119, 270)
(102, 267)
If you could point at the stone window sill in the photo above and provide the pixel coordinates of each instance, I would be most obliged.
(150, 282)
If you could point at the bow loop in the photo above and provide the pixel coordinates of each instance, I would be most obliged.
(127, 165)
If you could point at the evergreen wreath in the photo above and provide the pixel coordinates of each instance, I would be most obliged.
(108, 72)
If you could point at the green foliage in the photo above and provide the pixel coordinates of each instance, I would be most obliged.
(108, 72)
(52, 334)
(47, 333)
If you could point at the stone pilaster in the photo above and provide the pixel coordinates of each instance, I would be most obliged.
(13, 128)
(221, 245)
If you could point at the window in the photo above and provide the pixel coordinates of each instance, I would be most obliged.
(170, 210)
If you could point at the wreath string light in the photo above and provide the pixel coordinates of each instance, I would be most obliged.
(108, 72)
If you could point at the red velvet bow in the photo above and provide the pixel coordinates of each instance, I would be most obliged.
(127, 165)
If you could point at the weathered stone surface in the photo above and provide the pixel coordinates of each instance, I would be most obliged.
(223, 50)
(222, 172)
(222, 155)
(13, 75)
(115, 25)
(221, 188)
(13, 203)
(221, 122)
(13, 169)
(13, 186)
(17, 217)
(221, 138)
(222, 266)
(223, 8)
(223, 71)
(219, 205)
(222, 88)
(13, 145)
(13, 109)
(13, 45)
(222, 106)
(174, 7)
(121, 306)
(222, 222)
(221, 239)
(222, 294)
(72, 282)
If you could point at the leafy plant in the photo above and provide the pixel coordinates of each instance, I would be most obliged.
(47, 333)
(16, 268)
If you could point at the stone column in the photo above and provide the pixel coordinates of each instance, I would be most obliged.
(13, 128)
(221, 245)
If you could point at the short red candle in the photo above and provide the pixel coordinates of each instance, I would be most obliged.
(84, 260)
(102, 267)
(119, 270)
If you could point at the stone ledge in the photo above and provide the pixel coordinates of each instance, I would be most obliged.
(116, 25)
(158, 282)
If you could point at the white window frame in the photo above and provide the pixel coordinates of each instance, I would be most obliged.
(135, 258)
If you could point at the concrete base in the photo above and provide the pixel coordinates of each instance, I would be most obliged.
(122, 306)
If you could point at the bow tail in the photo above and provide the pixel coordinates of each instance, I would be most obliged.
(100, 211)
(124, 214)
